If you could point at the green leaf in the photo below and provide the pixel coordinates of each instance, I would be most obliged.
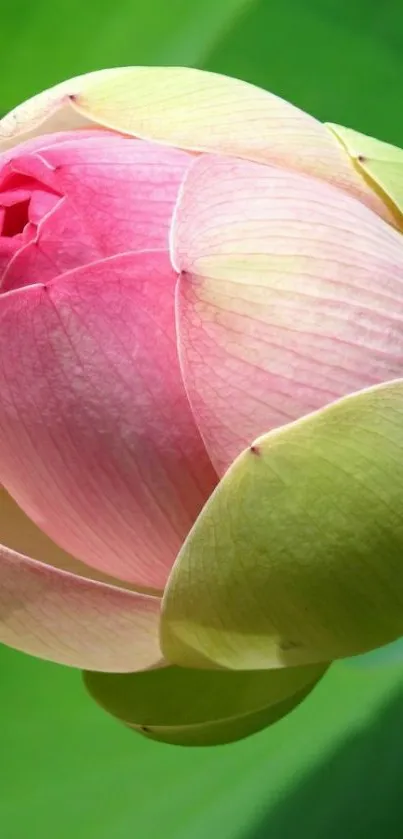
(381, 657)
(59, 746)
(120, 34)
(380, 162)
(201, 707)
(298, 555)
(332, 59)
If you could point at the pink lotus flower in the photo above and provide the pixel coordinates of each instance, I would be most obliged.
(186, 262)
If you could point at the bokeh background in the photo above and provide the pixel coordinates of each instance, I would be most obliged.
(334, 768)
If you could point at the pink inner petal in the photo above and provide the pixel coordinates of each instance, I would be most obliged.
(9, 247)
(25, 201)
(119, 195)
(97, 441)
(41, 204)
(46, 140)
(130, 185)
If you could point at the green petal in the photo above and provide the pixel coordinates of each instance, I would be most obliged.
(201, 707)
(298, 555)
(379, 161)
(223, 732)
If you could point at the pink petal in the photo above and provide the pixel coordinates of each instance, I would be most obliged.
(41, 204)
(59, 616)
(19, 533)
(97, 441)
(59, 243)
(9, 247)
(27, 170)
(14, 196)
(25, 193)
(130, 187)
(46, 140)
(291, 296)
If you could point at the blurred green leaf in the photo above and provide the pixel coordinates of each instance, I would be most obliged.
(54, 41)
(293, 50)
(297, 556)
(355, 792)
(71, 767)
(196, 707)
(339, 61)
(381, 657)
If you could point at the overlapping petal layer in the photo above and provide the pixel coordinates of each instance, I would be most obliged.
(196, 110)
(98, 444)
(381, 162)
(49, 606)
(202, 708)
(291, 295)
(297, 556)
(113, 195)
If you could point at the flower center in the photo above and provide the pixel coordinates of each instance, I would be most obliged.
(23, 200)
(15, 218)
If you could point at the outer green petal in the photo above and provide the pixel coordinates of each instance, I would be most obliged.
(201, 707)
(298, 555)
(224, 731)
(380, 162)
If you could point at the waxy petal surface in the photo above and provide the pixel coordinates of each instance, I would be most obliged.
(291, 296)
(98, 443)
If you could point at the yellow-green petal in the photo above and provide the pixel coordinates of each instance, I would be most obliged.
(194, 110)
(380, 162)
(202, 111)
(201, 707)
(222, 732)
(45, 113)
(298, 555)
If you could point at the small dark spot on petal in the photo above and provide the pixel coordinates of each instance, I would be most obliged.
(144, 728)
(255, 450)
(361, 158)
(287, 644)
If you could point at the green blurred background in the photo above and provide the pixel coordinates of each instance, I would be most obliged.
(334, 768)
